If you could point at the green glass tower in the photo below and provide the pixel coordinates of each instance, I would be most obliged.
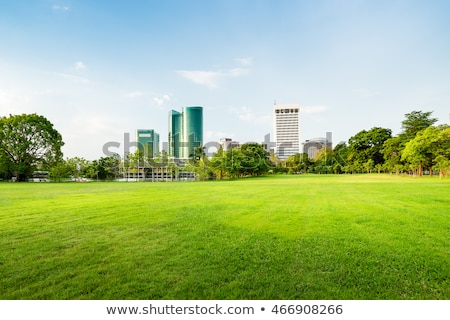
(147, 142)
(175, 119)
(185, 132)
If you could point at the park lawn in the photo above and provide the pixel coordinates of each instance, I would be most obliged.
(277, 237)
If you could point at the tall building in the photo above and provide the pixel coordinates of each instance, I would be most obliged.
(228, 143)
(286, 128)
(313, 146)
(185, 132)
(175, 120)
(148, 142)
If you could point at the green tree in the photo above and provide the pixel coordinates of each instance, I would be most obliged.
(217, 163)
(78, 166)
(200, 167)
(136, 162)
(379, 167)
(6, 167)
(105, 168)
(369, 165)
(324, 160)
(366, 145)
(426, 146)
(443, 165)
(391, 151)
(340, 153)
(28, 141)
(255, 160)
(415, 122)
(298, 162)
(61, 170)
(233, 163)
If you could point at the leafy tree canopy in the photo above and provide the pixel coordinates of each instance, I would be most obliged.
(367, 145)
(28, 141)
(428, 144)
(416, 121)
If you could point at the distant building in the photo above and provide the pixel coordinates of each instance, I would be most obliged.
(228, 143)
(185, 132)
(313, 146)
(286, 127)
(175, 119)
(148, 142)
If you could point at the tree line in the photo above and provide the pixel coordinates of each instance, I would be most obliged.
(420, 148)
(29, 143)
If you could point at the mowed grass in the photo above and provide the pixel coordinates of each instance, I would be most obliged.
(280, 237)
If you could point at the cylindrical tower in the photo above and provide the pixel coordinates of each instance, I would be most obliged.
(192, 131)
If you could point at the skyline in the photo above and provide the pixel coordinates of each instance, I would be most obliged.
(98, 70)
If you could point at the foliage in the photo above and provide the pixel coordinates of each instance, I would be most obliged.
(106, 168)
(392, 149)
(376, 150)
(299, 163)
(368, 145)
(249, 159)
(255, 159)
(6, 166)
(426, 146)
(217, 164)
(417, 147)
(415, 122)
(61, 170)
(26, 142)
(442, 164)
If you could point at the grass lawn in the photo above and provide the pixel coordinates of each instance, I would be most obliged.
(280, 237)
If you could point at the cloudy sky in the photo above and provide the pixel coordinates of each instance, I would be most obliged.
(99, 69)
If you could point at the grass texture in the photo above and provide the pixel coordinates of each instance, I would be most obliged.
(279, 237)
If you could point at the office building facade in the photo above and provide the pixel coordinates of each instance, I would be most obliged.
(185, 132)
(313, 146)
(286, 128)
(147, 142)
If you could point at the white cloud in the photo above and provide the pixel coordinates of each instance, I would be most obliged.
(244, 113)
(74, 78)
(245, 61)
(211, 79)
(313, 109)
(206, 78)
(160, 101)
(79, 65)
(58, 8)
(236, 72)
(135, 94)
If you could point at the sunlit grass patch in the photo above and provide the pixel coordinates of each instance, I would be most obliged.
(281, 237)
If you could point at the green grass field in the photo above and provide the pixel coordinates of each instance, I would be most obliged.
(280, 237)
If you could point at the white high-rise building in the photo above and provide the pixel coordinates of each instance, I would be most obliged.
(286, 128)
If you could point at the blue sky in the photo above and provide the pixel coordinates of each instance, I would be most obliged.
(99, 69)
